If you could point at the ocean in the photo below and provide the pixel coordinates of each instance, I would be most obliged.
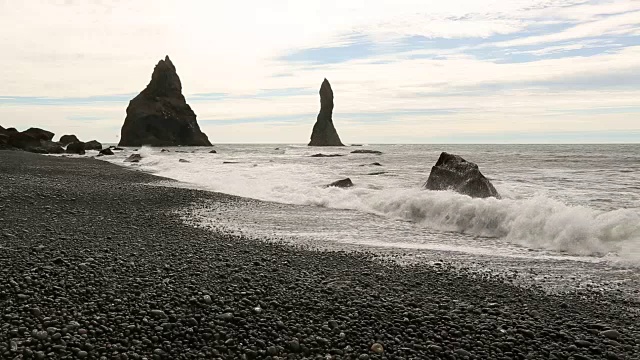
(574, 208)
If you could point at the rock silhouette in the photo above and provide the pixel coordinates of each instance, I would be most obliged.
(77, 147)
(93, 145)
(33, 140)
(160, 115)
(68, 139)
(452, 172)
(324, 133)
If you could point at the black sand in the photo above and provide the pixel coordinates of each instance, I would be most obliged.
(94, 264)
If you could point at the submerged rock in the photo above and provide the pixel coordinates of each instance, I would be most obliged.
(68, 139)
(160, 115)
(326, 155)
(344, 183)
(75, 148)
(324, 133)
(367, 152)
(92, 145)
(452, 172)
(183, 160)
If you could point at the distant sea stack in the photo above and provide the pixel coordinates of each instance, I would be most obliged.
(324, 133)
(160, 115)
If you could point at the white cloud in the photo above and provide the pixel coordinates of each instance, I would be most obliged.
(84, 49)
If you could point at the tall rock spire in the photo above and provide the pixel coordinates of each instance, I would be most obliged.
(160, 115)
(324, 133)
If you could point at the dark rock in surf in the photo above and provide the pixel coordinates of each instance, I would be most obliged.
(92, 145)
(160, 115)
(68, 139)
(324, 133)
(106, 151)
(376, 152)
(76, 148)
(134, 158)
(344, 183)
(183, 160)
(452, 172)
(377, 173)
(213, 152)
(326, 155)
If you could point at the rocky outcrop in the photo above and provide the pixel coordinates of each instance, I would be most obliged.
(452, 172)
(324, 133)
(77, 147)
(344, 183)
(33, 140)
(92, 145)
(68, 139)
(160, 115)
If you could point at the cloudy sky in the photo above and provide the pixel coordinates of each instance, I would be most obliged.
(403, 71)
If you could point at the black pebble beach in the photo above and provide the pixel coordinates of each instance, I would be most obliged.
(96, 264)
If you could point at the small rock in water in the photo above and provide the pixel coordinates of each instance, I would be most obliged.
(184, 161)
(213, 152)
(344, 183)
(134, 158)
(376, 152)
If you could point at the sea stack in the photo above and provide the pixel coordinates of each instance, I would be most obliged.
(324, 133)
(452, 172)
(160, 115)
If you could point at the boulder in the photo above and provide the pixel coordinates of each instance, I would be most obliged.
(106, 151)
(76, 148)
(213, 152)
(33, 140)
(39, 134)
(367, 152)
(68, 139)
(133, 158)
(324, 133)
(160, 115)
(344, 183)
(92, 145)
(47, 147)
(452, 172)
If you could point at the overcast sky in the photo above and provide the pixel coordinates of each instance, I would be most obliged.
(402, 71)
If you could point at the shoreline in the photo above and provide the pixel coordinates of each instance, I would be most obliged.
(95, 264)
